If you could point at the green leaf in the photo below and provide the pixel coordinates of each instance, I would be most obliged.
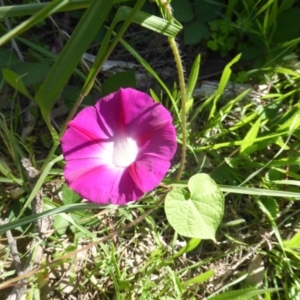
(241, 190)
(223, 83)
(213, 45)
(16, 82)
(191, 245)
(6, 171)
(64, 66)
(60, 224)
(239, 143)
(246, 119)
(42, 14)
(263, 8)
(270, 17)
(293, 122)
(71, 93)
(20, 10)
(200, 278)
(192, 81)
(288, 26)
(154, 96)
(271, 206)
(243, 294)
(287, 182)
(46, 54)
(50, 212)
(206, 10)
(226, 74)
(32, 73)
(284, 5)
(294, 242)
(8, 59)
(288, 72)
(151, 22)
(226, 109)
(69, 196)
(198, 213)
(251, 135)
(183, 11)
(259, 192)
(194, 76)
(121, 79)
(194, 32)
(127, 15)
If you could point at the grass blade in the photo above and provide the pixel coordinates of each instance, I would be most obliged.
(259, 192)
(47, 11)
(63, 68)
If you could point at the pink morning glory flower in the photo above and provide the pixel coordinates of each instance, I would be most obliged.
(118, 149)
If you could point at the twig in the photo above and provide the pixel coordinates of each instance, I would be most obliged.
(13, 247)
(19, 290)
(36, 246)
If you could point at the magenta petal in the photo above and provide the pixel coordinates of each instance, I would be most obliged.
(159, 143)
(88, 121)
(149, 172)
(108, 113)
(128, 189)
(149, 123)
(119, 109)
(78, 145)
(134, 104)
(152, 119)
(100, 183)
(119, 149)
(154, 132)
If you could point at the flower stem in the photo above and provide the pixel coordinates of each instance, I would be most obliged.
(167, 12)
(182, 87)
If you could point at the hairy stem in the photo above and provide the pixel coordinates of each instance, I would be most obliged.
(180, 71)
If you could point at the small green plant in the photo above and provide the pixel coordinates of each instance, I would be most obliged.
(257, 30)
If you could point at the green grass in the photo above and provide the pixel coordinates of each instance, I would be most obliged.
(248, 145)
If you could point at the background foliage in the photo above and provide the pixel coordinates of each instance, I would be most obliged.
(242, 129)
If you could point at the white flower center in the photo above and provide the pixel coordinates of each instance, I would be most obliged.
(125, 152)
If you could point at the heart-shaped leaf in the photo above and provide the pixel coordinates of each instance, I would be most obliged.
(196, 214)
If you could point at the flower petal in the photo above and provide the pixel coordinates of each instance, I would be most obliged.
(119, 109)
(77, 144)
(88, 121)
(134, 103)
(110, 113)
(159, 143)
(152, 119)
(148, 172)
(100, 183)
(92, 141)
(154, 132)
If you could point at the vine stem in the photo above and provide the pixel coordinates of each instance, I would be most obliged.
(182, 87)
